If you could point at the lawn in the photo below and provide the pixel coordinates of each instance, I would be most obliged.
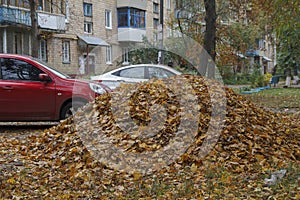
(277, 98)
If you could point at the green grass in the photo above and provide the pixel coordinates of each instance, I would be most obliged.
(217, 183)
(277, 98)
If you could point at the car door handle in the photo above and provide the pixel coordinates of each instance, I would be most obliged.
(7, 88)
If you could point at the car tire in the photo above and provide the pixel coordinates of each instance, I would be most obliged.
(70, 108)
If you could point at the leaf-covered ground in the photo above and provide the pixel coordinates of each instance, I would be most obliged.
(253, 145)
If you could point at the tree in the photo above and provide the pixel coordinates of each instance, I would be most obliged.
(57, 6)
(35, 33)
(194, 15)
(35, 36)
(287, 30)
(248, 21)
(228, 39)
(210, 35)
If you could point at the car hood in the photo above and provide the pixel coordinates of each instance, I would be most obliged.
(80, 83)
(99, 77)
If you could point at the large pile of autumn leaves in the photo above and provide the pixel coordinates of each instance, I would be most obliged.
(253, 143)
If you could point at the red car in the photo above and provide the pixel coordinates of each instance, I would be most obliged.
(30, 90)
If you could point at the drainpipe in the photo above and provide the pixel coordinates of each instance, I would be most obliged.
(87, 60)
(4, 41)
(275, 52)
(161, 33)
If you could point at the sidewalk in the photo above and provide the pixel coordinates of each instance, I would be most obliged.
(237, 86)
(281, 84)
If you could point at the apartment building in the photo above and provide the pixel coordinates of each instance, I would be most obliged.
(263, 51)
(81, 37)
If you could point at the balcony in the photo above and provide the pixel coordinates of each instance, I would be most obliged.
(9, 15)
(51, 21)
(131, 34)
(21, 16)
(140, 4)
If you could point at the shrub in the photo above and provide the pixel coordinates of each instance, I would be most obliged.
(267, 78)
(257, 78)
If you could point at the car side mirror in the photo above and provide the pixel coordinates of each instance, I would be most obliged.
(44, 77)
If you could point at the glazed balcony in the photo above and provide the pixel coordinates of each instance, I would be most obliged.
(140, 4)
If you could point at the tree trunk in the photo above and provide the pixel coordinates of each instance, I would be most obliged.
(35, 35)
(210, 35)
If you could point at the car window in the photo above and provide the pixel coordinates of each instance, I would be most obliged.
(136, 72)
(12, 69)
(155, 72)
(53, 70)
(1, 68)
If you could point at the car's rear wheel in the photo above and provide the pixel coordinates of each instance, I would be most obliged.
(70, 108)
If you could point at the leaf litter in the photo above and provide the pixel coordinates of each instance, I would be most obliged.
(254, 144)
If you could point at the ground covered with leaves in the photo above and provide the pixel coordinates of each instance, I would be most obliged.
(256, 155)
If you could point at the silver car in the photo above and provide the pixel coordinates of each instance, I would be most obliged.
(135, 74)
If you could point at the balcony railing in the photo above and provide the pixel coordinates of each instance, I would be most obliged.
(131, 34)
(12, 15)
(51, 21)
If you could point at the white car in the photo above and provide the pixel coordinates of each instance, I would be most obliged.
(135, 74)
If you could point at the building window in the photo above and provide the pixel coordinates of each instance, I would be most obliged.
(88, 27)
(58, 7)
(125, 56)
(155, 23)
(123, 17)
(155, 8)
(18, 3)
(108, 21)
(88, 9)
(108, 55)
(131, 17)
(169, 4)
(137, 18)
(18, 49)
(67, 16)
(1, 43)
(43, 50)
(169, 32)
(66, 52)
(155, 38)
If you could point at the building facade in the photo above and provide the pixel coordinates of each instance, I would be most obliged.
(81, 37)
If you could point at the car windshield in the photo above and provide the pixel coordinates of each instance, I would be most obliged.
(46, 65)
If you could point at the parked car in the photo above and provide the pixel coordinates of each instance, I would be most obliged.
(135, 74)
(30, 90)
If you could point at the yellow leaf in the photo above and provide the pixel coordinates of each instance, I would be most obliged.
(78, 165)
(11, 181)
(194, 167)
(106, 181)
(136, 176)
